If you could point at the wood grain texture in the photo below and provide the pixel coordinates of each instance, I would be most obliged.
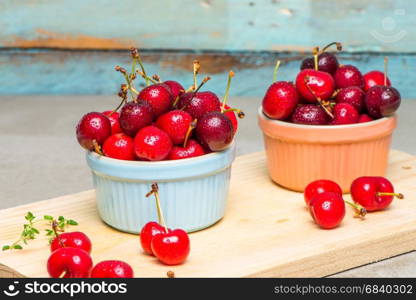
(92, 72)
(283, 25)
(267, 231)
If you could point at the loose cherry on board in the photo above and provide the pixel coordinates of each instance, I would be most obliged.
(352, 95)
(176, 124)
(69, 263)
(348, 75)
(171, 247)
(93, 128)
(191, 149)
(114, 117)
(310, 114)
(152, 143)
(344, 113)
(328, 209)
(373, 78)
(373, 193)
(74, 239)
(134, 116)
(158, 96)
(319, 187)
(147, 234)
(119, 146)
(112, 269)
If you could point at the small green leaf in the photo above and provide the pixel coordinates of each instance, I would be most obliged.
(61, 219)
(17, 247)
(72, 222)
(6, 247)
(35, 230)
(49, 218)
(29, 216)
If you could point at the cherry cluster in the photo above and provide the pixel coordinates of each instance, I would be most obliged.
(328, 93)
(163, 121)
(327, 206)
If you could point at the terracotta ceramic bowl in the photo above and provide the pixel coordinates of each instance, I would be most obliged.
(299, 154)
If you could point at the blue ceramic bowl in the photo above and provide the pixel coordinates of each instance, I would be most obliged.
(193, 191)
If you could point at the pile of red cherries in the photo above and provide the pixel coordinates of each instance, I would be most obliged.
(163, 121)
(328, 93)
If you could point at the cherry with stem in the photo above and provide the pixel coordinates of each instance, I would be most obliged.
(197, 89)
(324, 105)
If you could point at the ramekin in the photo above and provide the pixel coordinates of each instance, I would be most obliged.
(193, 191)
(299, 154)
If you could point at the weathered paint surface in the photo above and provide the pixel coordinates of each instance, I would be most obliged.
(280, 25)
(92, 72)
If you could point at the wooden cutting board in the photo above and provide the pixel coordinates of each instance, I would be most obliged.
(267, 232)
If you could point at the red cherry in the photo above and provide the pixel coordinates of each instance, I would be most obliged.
(328, 209)
(310, 114)
(147, 233)
(214, 131)
(344, 113)
(364, 118)
(171, 248)
(112, 269)
(319, 187)
(119, 146)
(158, 96)
(347, 76)
(69, 263)
(152, 143)
(201, 103)
(114, 120)
(373, 193)
(93, 126)
(135, 116)
(176, 88)
(382, 101)
(321, 83)
(231, 115)
(352, 95)
(176, 124)
(280, 100)
(74, 239)
(192, 149)
(373, 78)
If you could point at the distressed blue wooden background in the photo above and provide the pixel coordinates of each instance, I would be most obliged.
(71, 47)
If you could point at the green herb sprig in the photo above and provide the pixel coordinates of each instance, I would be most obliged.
(30, 232)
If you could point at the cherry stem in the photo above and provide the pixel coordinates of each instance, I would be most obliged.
(386, 60)
(317, 98)
(360, 211)
(177, 98)
(276, 68)
(315, 53)
(196, 67)
(338, 44)
(55, 231)
(141, 73)
(155, 191)
(170, 274)
(239, 112)
(157, 78)
(97, 148)
(397, 195)
(136, 57)
(62, 274)
(227, 90)
(189, 131)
